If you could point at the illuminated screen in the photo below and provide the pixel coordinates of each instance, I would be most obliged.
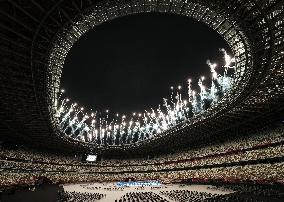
(91, 158)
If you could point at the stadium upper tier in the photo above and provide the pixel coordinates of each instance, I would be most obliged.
(37, 35)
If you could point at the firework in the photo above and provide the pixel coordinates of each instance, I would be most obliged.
(100, 128)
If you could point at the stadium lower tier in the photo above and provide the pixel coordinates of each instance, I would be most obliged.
(261, 172)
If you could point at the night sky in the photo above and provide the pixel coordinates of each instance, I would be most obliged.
(128, 64)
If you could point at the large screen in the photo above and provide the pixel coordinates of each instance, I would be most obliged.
(91, 158)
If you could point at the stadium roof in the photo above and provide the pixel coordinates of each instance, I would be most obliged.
(37, 35)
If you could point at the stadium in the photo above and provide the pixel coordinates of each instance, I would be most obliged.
(216, 138)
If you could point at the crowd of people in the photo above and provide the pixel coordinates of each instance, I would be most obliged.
(211, 162)
(64, 196)
(213, 159)
(239, 192)
(187, 193)
(263, 190)
(188, 196)
(141, 197)
(265, 172)
(31, 155)
(250, 193)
